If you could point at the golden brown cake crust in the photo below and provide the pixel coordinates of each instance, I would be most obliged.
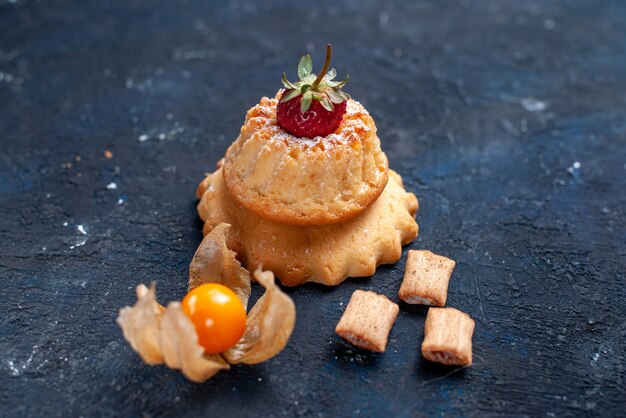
(301, 181)
(324, 254)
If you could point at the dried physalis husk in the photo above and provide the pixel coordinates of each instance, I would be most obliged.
(269, 326)
(140, 325)
(167, 335)
(179, 344)
(214, 262)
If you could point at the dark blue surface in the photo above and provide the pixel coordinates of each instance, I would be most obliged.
(506, 118)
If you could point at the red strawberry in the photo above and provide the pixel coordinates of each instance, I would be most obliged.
(316, 121)
(315, 105)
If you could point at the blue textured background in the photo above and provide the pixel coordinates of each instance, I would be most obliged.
(506, 118)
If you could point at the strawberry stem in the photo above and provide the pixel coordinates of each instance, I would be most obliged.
(320, 77)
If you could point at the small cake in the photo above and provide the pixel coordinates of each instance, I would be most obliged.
(310, 156)
(307, 187)
(303, 181)
(324, 254)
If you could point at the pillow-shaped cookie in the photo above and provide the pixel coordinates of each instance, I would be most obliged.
(302, 181)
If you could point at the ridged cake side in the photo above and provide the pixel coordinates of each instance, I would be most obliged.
(324, 254)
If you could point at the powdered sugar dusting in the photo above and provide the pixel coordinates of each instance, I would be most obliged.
(352, 127)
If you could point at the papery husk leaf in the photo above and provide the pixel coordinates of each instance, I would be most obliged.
(269, 325)
(140, 325)
(179, 344)
(161, 335)
(214, 262)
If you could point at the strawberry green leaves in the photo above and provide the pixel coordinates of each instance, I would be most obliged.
(290, 95)
(288, 83)
(320, 87)
(305, 66)
(305, 103)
